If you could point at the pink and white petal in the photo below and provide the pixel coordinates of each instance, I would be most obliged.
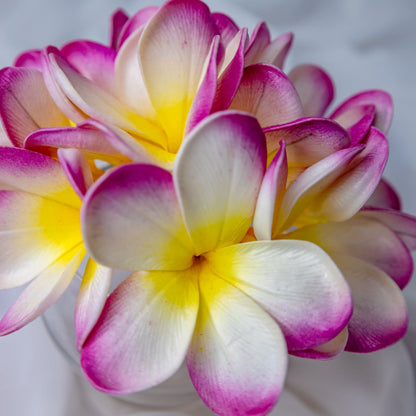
(34, 233)
(380, 99)
(93, 60)
(380, 315)
(276, 51)
(27, 171)
(42, 292)
(85, 137)
(67, 107)
(385, 196)
(130, 147)
(129, 80)
(99, 104)
(204, 99)
(404, 225)
(137, 21)
(237, 359)
(310, 183)
(218, 173)
(348, 193)
(30, 59)
(117, 22)
(296, 282)
(329, 350)
(362, 238)
(267, 93)
(143, 333)
(93, 293)
(131, 220)
(270, 196)
(357, 120)
(226, 27)
(259, 39)
(308, 140)
(314, 87)
(230, 71)
(77, 170)
(25, 104)
(172, 51)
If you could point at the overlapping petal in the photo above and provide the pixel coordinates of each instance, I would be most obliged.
(217, 174)
(296, 282)
(173, 49)
(132, 221)
(314, 87)
(25, 104)
(93, 292)
(380, 315)
(384, 196)
(267, 93)
(143, 333)
(381, 101)
(237, 358)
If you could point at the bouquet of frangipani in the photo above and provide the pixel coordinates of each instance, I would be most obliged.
(254, 225)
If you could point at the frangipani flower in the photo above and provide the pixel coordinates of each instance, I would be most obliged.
(324, 202)
(41, 237)
(231, 309)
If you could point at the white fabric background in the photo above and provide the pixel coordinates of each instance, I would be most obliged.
(363, 44)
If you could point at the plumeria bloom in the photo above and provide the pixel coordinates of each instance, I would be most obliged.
(229, 308)
(41, 237)
(325, 204)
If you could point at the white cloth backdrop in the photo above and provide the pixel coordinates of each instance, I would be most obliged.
(363, 44)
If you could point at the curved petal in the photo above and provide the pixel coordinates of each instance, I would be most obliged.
(308, 185)
(34, 173)
(25, 104)
(230, 71)
(30, 59)
(85, 137)
(95, 287)
(42, 292)
(34, 232)
(384, 196)
(357, 120)
(404, 225)
(382, 102)
(348, 193)
(314, 87)
(93, 60)
(268, 94)
(76, 169)
(217, 174)
(137, 21)
(380, 314)
(226, 27)
(98, 103)
(275, 52)
(117, 22)
(270, 196)
(308, 140)
(131, 220)
(296, 282)
(237, 358)
(362, 238)
(204, 99)
(143, 333)
(259, 39)
(330, 349)
(172, 61)
(129, 80)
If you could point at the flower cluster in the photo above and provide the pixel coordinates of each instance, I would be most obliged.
(254, 225)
